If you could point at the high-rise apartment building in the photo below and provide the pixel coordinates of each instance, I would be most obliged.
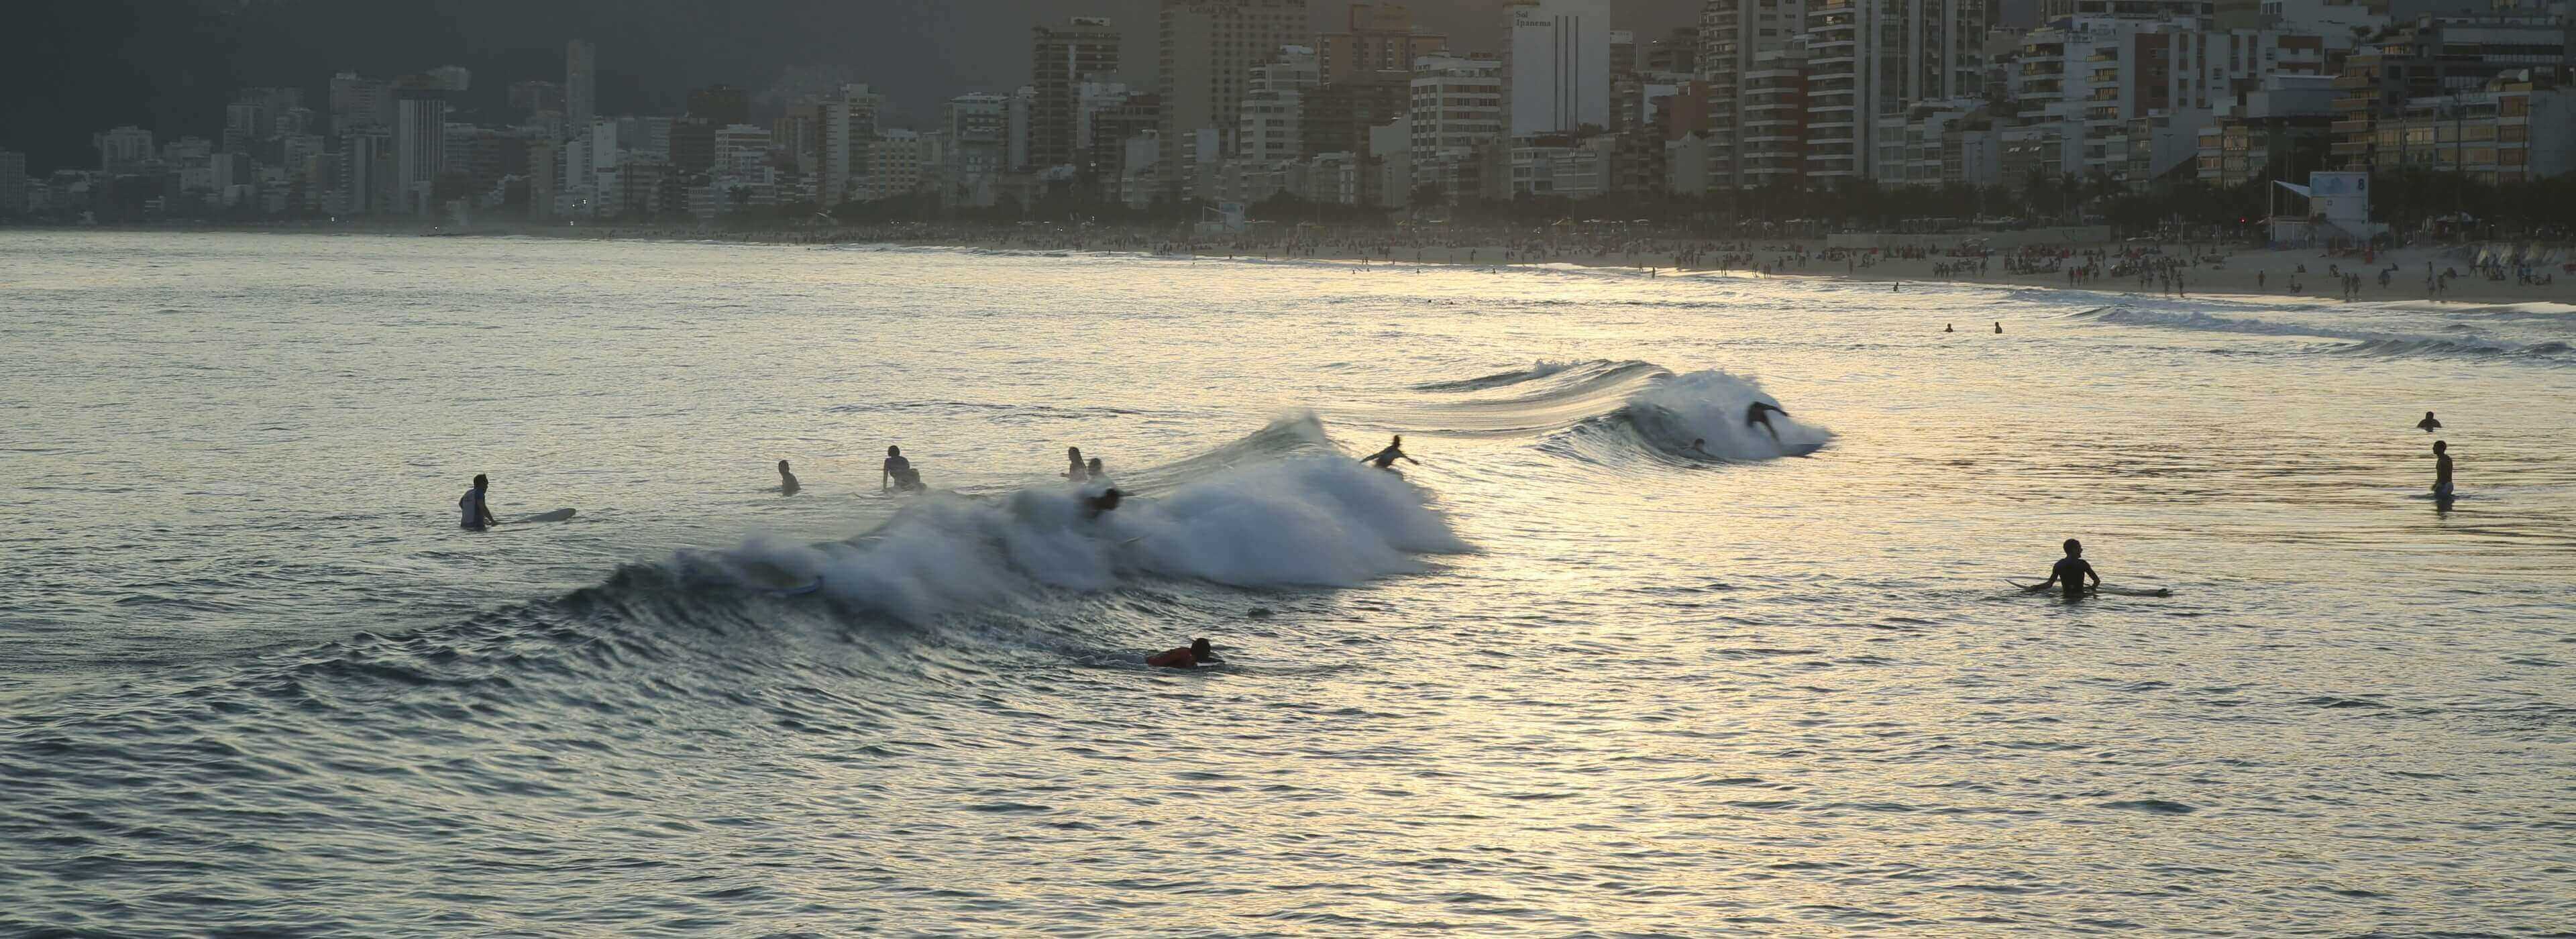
(123, 149)
(1208, 51)
(978, 127)
(849, 133)
(420, 146)
(13, 183)
(581, 84)
(1556, 65)
(1376, 38)
(1457, 107)
(1272, 110)
(1063, 58)
(1868, 58)
(360, 104)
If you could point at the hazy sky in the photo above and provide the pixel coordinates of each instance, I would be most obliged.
(82, 66)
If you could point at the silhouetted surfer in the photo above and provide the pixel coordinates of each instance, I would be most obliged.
(478, 514)
(1385, 459)
(1760, 412)
(2441, 471)
(1096, 470)
(1073, 468)
(2069, 573)
(1106, 501)
(786, 481)
(899, 473)
(2428, 424)
(1699, 445)
(1947, 328)
(1200, 652)
(1999, 327)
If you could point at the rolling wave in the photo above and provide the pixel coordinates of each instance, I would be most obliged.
(2349, 341)
(1693, 418)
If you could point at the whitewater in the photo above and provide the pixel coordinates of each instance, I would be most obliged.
(1606, 660)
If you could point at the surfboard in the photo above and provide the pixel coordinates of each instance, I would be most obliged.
(558, 515)
(2114, 591)
(1799, 449)
(798, 591)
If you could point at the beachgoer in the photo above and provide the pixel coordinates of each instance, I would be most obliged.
(898, 473)
(2428, 424)
(786, 481)
(1073, 469)
(2442, 471)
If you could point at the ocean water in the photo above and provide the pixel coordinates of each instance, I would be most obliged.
(1564, 676)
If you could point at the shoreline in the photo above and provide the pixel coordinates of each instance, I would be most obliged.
(2233, 273)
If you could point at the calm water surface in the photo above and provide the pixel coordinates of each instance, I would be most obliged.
(1564, 677)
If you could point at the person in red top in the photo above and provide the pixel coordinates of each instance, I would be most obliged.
(1198, 653)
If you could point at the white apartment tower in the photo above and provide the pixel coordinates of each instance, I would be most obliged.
(1457, 106)
(1556, 65)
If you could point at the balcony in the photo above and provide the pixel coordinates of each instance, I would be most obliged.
(2354, 126)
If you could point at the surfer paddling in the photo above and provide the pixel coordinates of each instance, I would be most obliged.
(2428, 424)
(478, 513)
(2069, 573)
(1385, 459)
(1199, 652)
(899, 474)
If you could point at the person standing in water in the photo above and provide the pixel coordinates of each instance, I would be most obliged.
(1760, 412)
(477, 514)
(1095, 468)
(1073, 468)
(2428, 424)
(786, 481)
(2441, 471)
(2070, 572)
(1999, 327)
(1385, 459)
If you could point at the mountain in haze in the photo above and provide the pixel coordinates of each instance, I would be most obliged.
(82, 66)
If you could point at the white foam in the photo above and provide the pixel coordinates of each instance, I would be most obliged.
(1709, 405)
(1312, 520)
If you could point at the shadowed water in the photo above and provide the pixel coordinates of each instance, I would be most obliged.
(1566, 676)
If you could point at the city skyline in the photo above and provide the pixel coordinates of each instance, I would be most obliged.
(166, 71)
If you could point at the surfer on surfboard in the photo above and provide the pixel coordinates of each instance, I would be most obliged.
(1385, 459)
(477, 513)
(1760, 412)
(1198, 653)
(2070, 572)
(2428, 424)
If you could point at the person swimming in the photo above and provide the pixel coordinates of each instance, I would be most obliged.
(1385, 459)
(786, 481)
(1199, 652)
(2069, 573)
(899, 474)
(1699, 445)
(2428, 424)
(1999, 327)
(478, 513)
(1073, 469)
(1760, 412)
(1106, 501)
(1948, 328)
(2441, 471)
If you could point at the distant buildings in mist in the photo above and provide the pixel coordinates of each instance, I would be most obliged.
(1248, 105)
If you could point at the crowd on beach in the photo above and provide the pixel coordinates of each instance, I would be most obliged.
(2167, 267)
